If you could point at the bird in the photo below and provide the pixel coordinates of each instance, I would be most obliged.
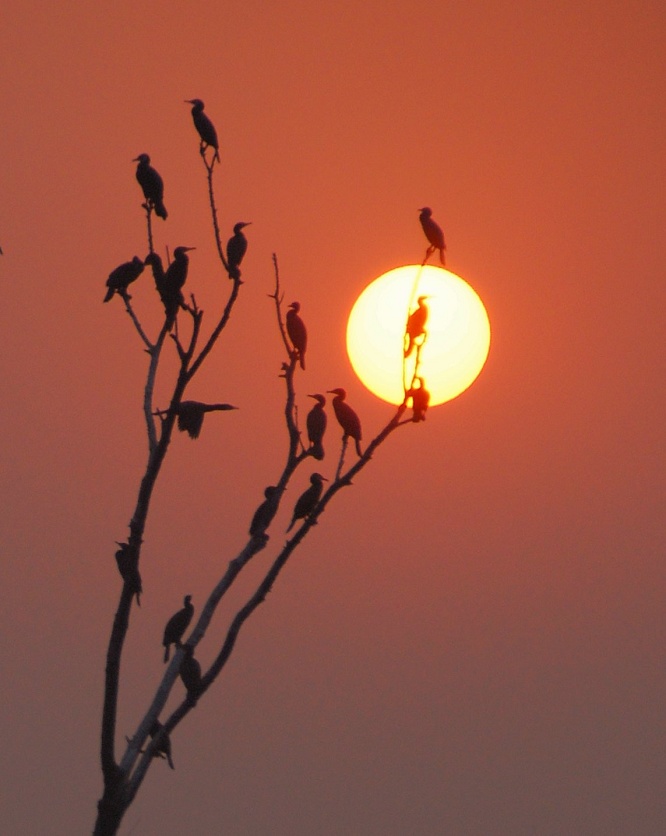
(236, 249)
(176, 626)
(205, 127)
(126, 560)
(122, 276)
(416, 325)
(191, 415)
(298, 333)
(308, 499)
(163, 748)
(264, 513)
(347, 418)
(152, 185)
(420, 400)
(433, 232)
(316, 426)
(190, 673)
(175, 277)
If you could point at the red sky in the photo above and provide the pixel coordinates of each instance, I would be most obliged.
(471, 641)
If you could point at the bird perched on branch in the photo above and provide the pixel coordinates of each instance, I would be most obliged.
(297, 331)
(433, 232)
(122, 276)
(173, 281)
(316, 426)
(152, 185)
(264, 513)
(420, 400)
(163, 748)
(308, 499)
(127, 566)
(191, 415)
(205, 127)
(176, 626)
(416, 325)
(236, 249)
(190, 674)
(347, 418)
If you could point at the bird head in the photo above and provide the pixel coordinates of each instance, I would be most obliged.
(317, 477)
(241, 225)
(426, 211)
(341, 393)
(196, 102)
(320, 398)
(187, 599)
(270, 491)
(153, 258)
(182, 250)
(421, 299)
(142, 158)
(296, 306)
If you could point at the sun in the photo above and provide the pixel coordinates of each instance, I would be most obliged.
(457, 334)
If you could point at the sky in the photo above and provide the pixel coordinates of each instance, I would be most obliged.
(471, 640)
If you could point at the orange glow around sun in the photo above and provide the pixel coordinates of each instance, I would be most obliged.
(457, 338)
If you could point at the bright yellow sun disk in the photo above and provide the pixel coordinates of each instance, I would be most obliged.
(458, 333)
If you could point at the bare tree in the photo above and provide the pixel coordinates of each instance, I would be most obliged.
(123, 773)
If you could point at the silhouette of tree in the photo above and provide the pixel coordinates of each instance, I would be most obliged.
(123, 773)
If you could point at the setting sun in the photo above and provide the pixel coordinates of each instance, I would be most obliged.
(457, 334)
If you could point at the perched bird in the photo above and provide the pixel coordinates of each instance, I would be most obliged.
(308, 499)
(265, 512)
(297, 331)
(433, 232)
(316, 426)
(416, 324)
(205, 127)
(190, 673)
(176, 626)
(191, 415)
(420, 400)
(152, 185)
(347, 418)
(163, 748)
(236, 249)
(122, 276)
(126, 560)
(175, 277)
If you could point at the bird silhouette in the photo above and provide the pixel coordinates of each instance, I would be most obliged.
(308, 499)
(297, 331)
(347, 418)
(236, 249)
(191, 415)
(190, 674)
(127, 566)
(416, 325)
(163, 748)
(122, 276)
(176, 626)
(316, 426)
(420, 400)
(205, 127)
(264, 513)
(152, 185)
(433, 232)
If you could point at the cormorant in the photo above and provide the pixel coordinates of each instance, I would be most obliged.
(191, 415)
(163, 748)
(128, 570)
(347, 418)
(316, 426)
(204, 126)
(151, 184)
(123, 276)
(433, 232)
(416, 324)
(308, 499)
(171, 302)
(420, 400)
(297, 331)
(176, 626)
(264, 513)
(236, 249)
(190, 673)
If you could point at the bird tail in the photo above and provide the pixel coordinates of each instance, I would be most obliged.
(301, 357)
(291, 524)
(160, 211)
(109, 294)
(441, 257)
(317, 451)
(358, 448)
(169, 761)
(166, 653)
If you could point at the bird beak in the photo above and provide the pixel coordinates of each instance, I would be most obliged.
(187, 249)
(189, 101)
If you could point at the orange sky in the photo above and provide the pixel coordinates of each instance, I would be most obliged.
(471, 641)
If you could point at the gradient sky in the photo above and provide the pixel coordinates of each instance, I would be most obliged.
(472, 639)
